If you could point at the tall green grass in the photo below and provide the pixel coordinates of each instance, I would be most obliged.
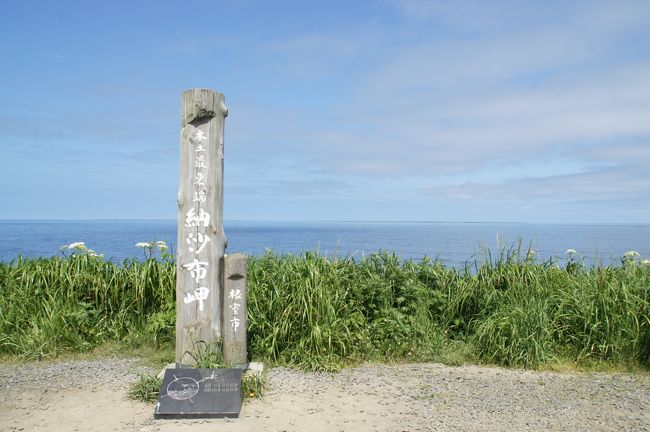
(319, 313)
(49, 306)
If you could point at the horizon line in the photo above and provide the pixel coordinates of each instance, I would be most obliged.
(37, 220)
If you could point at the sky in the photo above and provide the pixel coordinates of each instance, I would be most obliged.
(407, 110)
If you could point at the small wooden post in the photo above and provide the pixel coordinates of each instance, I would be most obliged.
(234, 310)
(201, 239)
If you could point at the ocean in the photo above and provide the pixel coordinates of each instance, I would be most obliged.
(452, 243)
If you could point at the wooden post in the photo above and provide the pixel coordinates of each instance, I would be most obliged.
(201, 239)
(234, 310)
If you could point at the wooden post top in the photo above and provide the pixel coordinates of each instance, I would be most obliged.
(198, 104)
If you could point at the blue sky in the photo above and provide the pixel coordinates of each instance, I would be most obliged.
(371, 110)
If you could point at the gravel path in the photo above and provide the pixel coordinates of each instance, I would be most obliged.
(89, 396)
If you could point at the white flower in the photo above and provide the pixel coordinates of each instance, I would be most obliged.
(143, 245)
(92, 253)
(570, 252)
(161, 245)
(645, 262)
(77, 245)
(631, 254)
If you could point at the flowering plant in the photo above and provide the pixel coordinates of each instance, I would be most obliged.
(79, 248)
(149, 249)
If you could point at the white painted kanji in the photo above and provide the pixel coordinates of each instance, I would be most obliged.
(199, 294)
(200, 162)
(197, 242)
(198, 269)
(198, 137)
(198, 180)
(199, 196)
(194, 219)
(235, 323)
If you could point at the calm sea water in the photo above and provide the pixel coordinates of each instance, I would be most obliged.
(452, 243)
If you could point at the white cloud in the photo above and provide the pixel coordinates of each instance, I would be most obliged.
(457, 105)
(628, 183)
(470, 100)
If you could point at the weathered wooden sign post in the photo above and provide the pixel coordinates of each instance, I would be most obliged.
(200, 291)
(234, 310)
(210, 287)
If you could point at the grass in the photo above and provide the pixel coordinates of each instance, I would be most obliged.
(146, 388)
(208, 356)
(253, 385)
(319, 314)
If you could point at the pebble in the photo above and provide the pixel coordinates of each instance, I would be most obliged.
(71, 374)
(479, 398)
(412, 397)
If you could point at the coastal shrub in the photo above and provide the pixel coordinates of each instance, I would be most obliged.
(606, 314)
(74, 303)
(318, 313)
(519, 332)
(301, 312)
(399, 307)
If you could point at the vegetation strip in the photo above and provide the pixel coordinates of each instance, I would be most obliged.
(318, 313)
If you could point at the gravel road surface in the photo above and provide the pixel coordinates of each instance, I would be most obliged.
(90, 396)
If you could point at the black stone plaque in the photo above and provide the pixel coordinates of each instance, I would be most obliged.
(199, 393)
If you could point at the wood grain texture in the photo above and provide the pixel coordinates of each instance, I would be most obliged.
(235, 311)
(200, 193)
(200, 104)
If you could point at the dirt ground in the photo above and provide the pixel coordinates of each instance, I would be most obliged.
(412, 397)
